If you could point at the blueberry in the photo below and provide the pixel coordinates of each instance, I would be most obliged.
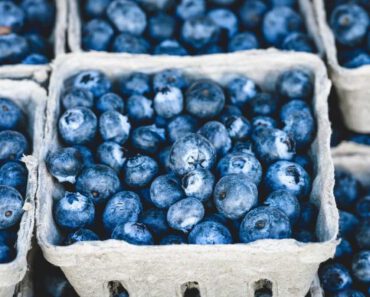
(11, 16)
(234, 195)
(185, 214)
(40, 15)
(198, 184)
(204, 99)
(272, 145)
(82, 234)
(8, 237)
(156, 5)
(97, 35)
(263, 104)
(166, 190)
(14, 174)
(35, 59)
(362, 206)
(238, 127)
(223, 2)
(112, 154)
(98, 182)
(77, 97)
(11, 207)
(244, 147)
(11, 115)
(188, 9)
(360, 138)
(127, 43)
(113, 126)
(348, 293)
(349, 23)
(148, 138)
(263, 122)
(210, 232)
(286, 202)
(173, 239)
(108, 102)
(13, 145)
(285, 175)
(95, 8)
(77, 125)
(346, 189)
(241, 90)
(136, 84)
(199, 32)
(334, 277)
(140, 108)
(304, 236)
(74, 211)
(168, 102)
(156, 221)
(180, 126)
(298, 42)
(170, 78)
(283, 2)
(357, 59)
(241, 163)
(127, 17)
(279, 22)
(309, 213)
(6, 254)
(348, 223)
(264, 222)
(94, 81)
(38, 44)
(303, 160)
(242, 42)
(87, 156)
(64, 164)
(344, 249)
(252, 12)
(225, 19)
(164, 158)
(133, 233)
(170, 47)
(191, 152)
(295, 83)
(298, 122)
(218, 135)
(123, 207)
(140, 171)
(13, 48)
(161, 26)
(228, 111)
(363, 234)
(361, 266)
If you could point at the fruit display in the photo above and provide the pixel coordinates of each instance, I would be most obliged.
(192, 27)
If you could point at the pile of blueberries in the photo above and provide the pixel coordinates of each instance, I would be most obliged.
(172, 160)
(25, 30)
(348, 275)
(13, 175)
(350, 23)
(192, 27)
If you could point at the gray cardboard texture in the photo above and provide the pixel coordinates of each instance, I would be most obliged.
(352, 85)
(220, 271)
(32, 99)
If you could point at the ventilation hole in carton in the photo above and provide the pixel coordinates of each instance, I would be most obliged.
(263, 288)
(117, 290)
(190, 289)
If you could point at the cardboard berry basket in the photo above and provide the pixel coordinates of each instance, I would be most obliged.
(31, 98)
(352, 85)
(75, 24)
(287, 266)
(40, 73)
(354, 158)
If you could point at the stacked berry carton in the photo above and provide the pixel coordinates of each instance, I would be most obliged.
(80, 12)
(51, 44)
(286, 265)
(352, 81)
(31, 98)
